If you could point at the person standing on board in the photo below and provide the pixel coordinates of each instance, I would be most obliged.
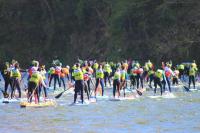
(79, 83)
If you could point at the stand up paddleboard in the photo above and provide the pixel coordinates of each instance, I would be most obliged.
(41, 104)
(122, 99)
(79, 103)
(167, 95)
(14, 100)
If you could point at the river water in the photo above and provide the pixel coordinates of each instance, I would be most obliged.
(143, 115)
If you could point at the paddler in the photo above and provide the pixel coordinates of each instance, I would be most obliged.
(43, 74)
(33, 85)
(78, 76)
(192, 74)
(16, 77)
(99, 79)
(159, 74)
(116, 82)
(123, 79)
(6, 74)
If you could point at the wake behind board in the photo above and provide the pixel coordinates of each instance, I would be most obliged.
(154, 97)
(41, 104)
(102, 97)
(79, 103)
(194, 90)
(14, 100)
(167, 95)
(127, 90)
(122, 98)
(93, 100)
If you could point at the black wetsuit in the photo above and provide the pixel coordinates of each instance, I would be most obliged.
(32, 86)
(78, 88)
(16, 84)
(139, 80)
(116, 85)
(7, 79)
(157, 82)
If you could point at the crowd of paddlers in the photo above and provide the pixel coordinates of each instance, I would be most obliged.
(84, 74)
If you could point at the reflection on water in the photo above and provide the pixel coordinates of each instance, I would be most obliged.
(176, 115)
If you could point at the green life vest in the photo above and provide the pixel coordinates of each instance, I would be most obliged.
(123, 75)
(117, 75)
(99, 74)
(181, 67)
(35, 77)
(149, 64)
(15, 73)
(159, 73)
(78, 74)
(96, 65)
(192, 71)
(107, 68)
(146, 68)
(150, 72)
(51, 71)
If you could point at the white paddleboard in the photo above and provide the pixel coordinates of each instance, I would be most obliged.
(93, 100)
(154, 97)
(102, 97)
(169, 95)
(126, 91)
(193, 89)
(14, 100)
(166, 95)
(79, 103)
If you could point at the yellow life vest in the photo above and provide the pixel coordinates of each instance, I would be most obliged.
(117, 75)
(52, 70)
(192, 71)
(123, 75)
(146, 68)
(35, 77)
(159, 73)
(15, 73)
(194, 65)
(149, 64)
(99, 74)
(150, 72)
(96, 65)
(181, 67)
(78, 74)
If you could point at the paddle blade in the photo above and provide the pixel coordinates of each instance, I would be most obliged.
(5, 95)
(186, 88)
(59, 95)
(139, 92)
(6, 102)
(2, 91)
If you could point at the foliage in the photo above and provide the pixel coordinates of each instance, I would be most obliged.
(101, 29)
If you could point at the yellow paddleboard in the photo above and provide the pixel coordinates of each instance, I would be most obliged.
(41, 104)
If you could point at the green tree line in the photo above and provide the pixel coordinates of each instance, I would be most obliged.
(159, 30)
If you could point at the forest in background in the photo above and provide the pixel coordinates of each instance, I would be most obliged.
(159, 30)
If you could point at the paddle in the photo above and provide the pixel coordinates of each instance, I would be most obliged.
(6, 95)
(60, 94)
(184, 86)
(31, 94)
(138, 92)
